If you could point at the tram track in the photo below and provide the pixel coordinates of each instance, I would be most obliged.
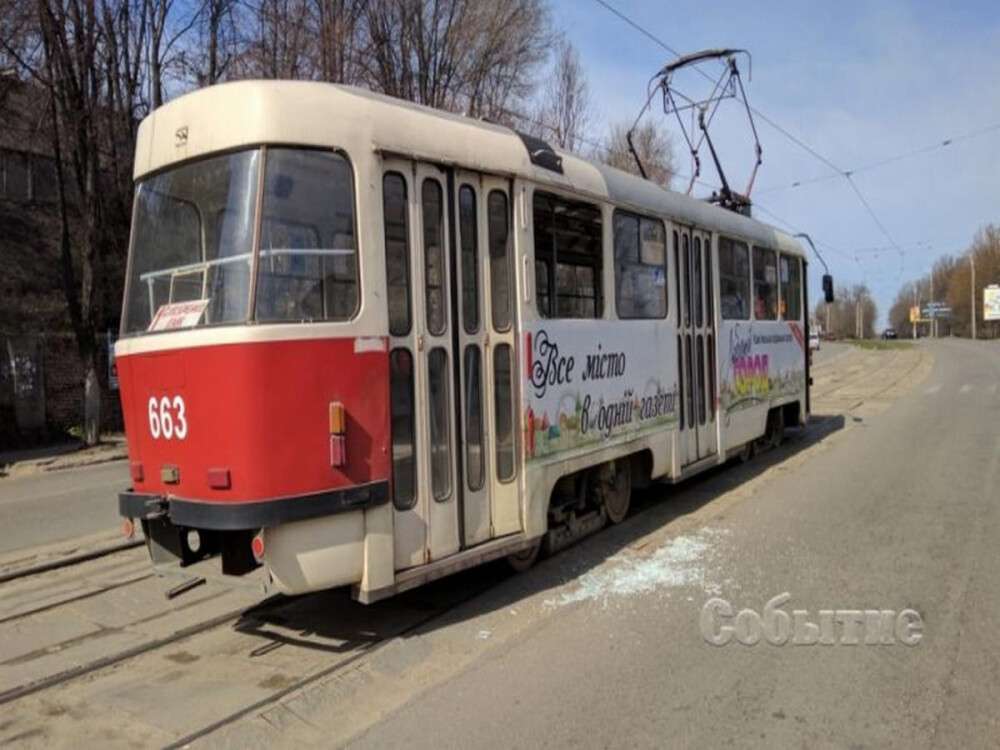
(65, 676)
(879, 393)
(339, 665)
(15, 573)
(863, 375)
(48, 600)
(264, 622)
(74, 599)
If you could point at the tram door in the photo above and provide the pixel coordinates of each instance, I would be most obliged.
(485, 294)
(696, 345)
(443, 356)
(704, 343)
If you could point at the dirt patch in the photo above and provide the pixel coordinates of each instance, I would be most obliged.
(276, 682)
(183, 657)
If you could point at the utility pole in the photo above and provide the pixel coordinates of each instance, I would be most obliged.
(933, 309)
(972, 308)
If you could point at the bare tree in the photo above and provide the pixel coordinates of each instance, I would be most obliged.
(853, 308)
(515, 37)
(653, 144)
(566, 109)
(338, 36)
(209, 44)
(85, 57)
(459, 55)
(169, 25)
(279, 38)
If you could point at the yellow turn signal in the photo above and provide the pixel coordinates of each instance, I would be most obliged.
(338, 418)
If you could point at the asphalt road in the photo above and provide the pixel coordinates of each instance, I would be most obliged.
(888, 502)
(57, 505)
(897, 507)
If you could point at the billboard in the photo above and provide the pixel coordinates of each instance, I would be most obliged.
(991, 302)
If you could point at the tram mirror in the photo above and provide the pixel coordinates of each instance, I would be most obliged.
(828, 288)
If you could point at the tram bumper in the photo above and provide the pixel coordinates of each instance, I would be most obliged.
(310, 543)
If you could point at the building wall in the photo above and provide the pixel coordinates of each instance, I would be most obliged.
(41, 389)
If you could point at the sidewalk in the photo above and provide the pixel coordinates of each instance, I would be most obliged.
(72, 455)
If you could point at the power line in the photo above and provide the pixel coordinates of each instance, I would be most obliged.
(795, 229)
(936, 146)
(794, 139)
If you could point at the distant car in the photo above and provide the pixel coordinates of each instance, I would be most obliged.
(813, 340)
(889, 333)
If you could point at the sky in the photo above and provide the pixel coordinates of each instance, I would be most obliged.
(858, 82)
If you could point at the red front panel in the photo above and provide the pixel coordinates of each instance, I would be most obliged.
(259, 410)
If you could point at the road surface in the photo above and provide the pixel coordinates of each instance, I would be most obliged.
(52, 506)
(899, 509)
(888, 502)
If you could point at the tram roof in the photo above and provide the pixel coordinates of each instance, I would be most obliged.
(243, 113)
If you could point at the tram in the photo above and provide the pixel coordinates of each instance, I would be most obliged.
(366, 343)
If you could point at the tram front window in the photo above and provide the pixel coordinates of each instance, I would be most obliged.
(307, 269)
(192, 242)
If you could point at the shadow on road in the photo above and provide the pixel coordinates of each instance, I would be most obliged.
(330, 621)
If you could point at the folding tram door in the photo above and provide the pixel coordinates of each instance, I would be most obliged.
(449, 270)
(696, 344)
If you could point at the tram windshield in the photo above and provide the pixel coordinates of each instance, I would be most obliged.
(193, 241)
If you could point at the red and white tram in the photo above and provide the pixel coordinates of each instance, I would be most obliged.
(369, 343)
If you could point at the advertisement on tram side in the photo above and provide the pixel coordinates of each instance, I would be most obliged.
(592, 381)
(761, 362)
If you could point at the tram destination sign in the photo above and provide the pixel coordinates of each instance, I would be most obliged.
(178, 315)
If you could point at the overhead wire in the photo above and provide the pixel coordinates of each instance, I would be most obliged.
(790, 136)
(936, 146)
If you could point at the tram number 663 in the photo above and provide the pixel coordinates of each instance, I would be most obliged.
(166, 418)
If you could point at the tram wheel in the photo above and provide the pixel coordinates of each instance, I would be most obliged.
(615, 487)
(522, 561)
(747, 452)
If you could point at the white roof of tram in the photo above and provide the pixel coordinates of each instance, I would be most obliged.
(244, 113)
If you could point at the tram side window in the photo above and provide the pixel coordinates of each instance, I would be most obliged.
(791, 287)
(475, 459)
(734, 279)
(404, 449)
(503, 405)
(640, 266)
(500, 275)
(568, 257)
(397, 252)
(307, 270)
(765, 284)
(469, 230)
(437, 384)
(434, 269)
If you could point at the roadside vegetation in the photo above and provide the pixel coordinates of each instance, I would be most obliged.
(955, 280)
